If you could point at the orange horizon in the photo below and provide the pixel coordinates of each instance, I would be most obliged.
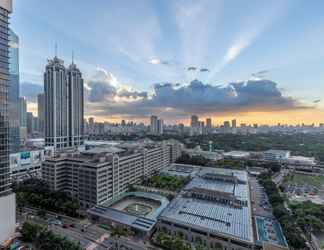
(293, 117)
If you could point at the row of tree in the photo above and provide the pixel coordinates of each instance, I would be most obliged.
(227, 163)
(177, 242)
(43, 239)
(166, 182)
(36, 193)
(292, 231)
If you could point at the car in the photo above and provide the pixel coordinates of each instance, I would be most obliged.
(72, 225)
(65, 226)
(55, 222)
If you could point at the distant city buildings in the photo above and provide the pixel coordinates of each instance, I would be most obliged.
(63, 105)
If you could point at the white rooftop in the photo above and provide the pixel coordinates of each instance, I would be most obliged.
(211, 216)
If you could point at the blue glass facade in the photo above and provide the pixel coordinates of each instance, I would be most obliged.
(13, 93)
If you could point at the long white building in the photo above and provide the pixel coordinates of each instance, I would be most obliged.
(95, 175)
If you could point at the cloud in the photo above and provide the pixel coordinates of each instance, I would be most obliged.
(104, 86)
(30, 90)
(179, 101)
(260, 74)
(191, 68)
(250, 30)
(157, 61)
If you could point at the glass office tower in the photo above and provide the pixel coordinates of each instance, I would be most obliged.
(13, 93)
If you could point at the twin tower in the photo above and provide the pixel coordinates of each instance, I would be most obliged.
(64, 105)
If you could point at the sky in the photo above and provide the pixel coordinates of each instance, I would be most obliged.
(257, 61)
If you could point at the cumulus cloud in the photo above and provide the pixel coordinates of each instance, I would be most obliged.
(104, 86)
(178, 101)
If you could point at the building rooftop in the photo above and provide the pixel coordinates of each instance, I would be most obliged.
(181, 170)
(220, 206)
(269, 231)
(237, 154)
(118, 209)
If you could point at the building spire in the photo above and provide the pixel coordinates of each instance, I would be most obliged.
(72, 57)
(55, 49)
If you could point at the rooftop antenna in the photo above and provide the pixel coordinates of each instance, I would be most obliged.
(55, 49)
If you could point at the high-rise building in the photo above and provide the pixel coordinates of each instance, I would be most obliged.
(76, 105)
(56, 104)
(41, 112)
(154, 124)
(160, 125)
(7, 198)
(91, 126)
(208, 123)
(13, 93)
(234, 123)
(227, 124)
(30, 123)
(64, 111)
(194, 121)
(22, 112)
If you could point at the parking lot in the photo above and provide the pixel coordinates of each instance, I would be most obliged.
(259, 198)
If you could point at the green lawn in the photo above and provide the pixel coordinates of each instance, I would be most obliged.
(317, 181)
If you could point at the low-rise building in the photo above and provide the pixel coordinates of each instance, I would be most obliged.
(98, 174)
(276, 155)
(237, 155)
(214, 156)
(301, 161)
(213, 209)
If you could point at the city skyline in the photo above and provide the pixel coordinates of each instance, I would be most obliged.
(174, 44)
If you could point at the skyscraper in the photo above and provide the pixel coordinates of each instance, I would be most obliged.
(7, 198)
(194, 121)
(30, 123)
(234, 123)
(76, 119)
(227, 124)
(160, 126)
(56, 104)
(154, 124)
(157, 125)
(64, 121)
(208, 123)
(13, 93)
(22, 112)
(41, 112)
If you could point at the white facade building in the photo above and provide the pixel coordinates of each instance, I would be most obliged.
(276, 155)
(98, 174)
